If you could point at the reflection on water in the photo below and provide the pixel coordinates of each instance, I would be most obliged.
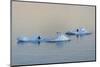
(25, 43)
(79, 36)
(58, 44)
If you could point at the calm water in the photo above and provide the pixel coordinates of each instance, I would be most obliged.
(29, 19)
(78, 49)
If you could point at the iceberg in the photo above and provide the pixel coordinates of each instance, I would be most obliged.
(59, 38)
(80, 31)
(23, 39)
(32, 39)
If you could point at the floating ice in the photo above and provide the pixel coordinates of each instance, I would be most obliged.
(80, 31)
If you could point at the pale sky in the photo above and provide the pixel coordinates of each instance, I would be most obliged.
(42, 18)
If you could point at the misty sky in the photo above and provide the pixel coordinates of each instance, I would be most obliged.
(42, 18)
